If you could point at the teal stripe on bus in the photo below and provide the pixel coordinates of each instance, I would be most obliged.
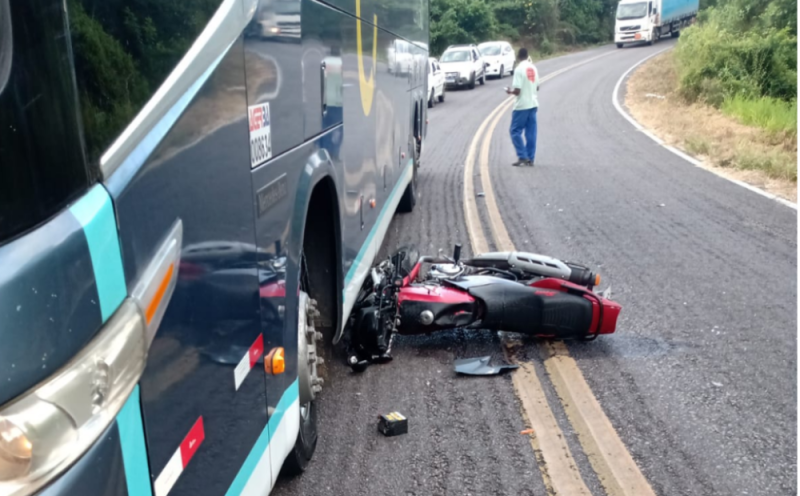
(262, 443)
(134, 450)
(95, 212)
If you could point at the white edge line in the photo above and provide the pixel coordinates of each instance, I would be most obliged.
(681, 154)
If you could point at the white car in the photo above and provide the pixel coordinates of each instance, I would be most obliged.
(500, 57)
(463, 66)
(400, 57)
(435, 82)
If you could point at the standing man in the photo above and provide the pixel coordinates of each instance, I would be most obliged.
(523, 119)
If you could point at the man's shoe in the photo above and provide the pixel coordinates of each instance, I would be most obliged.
(529, 163)
(519, 163)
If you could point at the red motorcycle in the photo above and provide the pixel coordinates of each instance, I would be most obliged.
(509, 291)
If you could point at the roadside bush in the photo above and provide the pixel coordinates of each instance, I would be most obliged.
(715, 64)
(740, 48)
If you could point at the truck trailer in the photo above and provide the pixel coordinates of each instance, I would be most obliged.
(648, 20)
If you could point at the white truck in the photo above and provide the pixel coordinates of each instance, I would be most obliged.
(649, 20)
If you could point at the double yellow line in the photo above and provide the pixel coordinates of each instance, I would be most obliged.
(609, 458)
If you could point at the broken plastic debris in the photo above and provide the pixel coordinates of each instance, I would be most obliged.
(526, 432)
(480, 366)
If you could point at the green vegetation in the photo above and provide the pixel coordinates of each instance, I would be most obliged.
(123, 55)
(546, 26)
(779, 117)
(741, 57)
(772, 162)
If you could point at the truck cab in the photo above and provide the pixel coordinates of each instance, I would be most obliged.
(648, 20)
(635, 21)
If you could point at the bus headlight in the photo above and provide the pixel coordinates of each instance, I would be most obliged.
(45, 430)
(15, 451)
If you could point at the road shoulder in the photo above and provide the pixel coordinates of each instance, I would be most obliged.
(709, 138)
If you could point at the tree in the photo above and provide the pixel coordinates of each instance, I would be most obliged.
(460, 21)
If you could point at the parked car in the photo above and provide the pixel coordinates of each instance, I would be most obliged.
(435, 82)
(499, 56)
(463, 66)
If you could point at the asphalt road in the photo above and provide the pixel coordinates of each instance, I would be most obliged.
(700, 379)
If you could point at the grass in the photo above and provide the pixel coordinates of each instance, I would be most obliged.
(776, 116)
(698, 145)
(772, 163)
(754, 141)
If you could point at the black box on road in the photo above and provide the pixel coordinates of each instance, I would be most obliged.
(392, 424)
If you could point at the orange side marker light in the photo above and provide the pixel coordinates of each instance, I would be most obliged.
(156, 301)
(275, 362)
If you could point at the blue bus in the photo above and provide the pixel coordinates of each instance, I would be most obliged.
(191, 194)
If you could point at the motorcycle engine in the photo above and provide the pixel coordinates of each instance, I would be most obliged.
(445, 271)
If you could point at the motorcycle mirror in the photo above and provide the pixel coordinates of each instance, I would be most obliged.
(456, 253)
(405, 258)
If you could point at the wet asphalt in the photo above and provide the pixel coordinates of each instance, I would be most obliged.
(700, 379)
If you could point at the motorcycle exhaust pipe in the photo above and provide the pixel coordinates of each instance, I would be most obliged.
(540, 265)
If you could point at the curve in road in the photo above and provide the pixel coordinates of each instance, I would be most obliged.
(699, 380)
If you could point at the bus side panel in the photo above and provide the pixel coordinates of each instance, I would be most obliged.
(376, 144)
(200, 173)
(273, 58)
(405, 18)
(280, 224)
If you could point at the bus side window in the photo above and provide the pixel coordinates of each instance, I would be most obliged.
(123, 52)
(42, 166)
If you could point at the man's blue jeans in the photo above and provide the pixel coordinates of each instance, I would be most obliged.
(524, 121)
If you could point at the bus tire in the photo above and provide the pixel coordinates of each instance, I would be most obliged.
(409, 199)
(318, 317)
(619, 45)
(307, 435)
